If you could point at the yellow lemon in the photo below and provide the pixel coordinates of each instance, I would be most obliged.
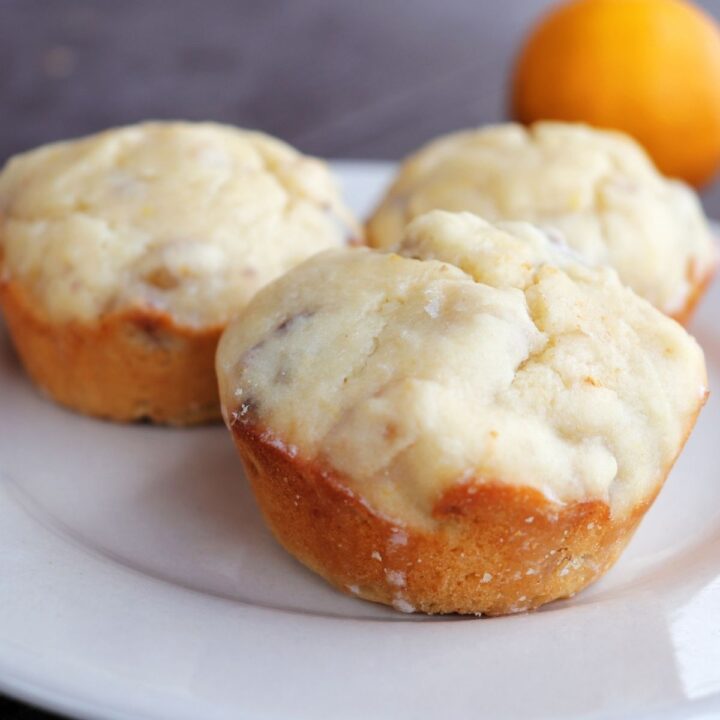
(648, 67)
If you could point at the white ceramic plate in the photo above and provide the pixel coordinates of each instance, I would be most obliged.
(137, 581)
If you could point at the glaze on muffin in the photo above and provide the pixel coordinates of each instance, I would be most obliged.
(596, 190)
(483, 417)
(151, 236)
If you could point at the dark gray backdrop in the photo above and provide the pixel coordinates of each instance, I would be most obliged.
(339, 78)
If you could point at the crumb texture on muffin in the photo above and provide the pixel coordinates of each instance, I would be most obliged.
(482, 353)
(187, 219)
(596, 189)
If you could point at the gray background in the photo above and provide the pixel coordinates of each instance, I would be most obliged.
(338, 78)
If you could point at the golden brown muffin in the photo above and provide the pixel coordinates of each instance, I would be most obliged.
(123, 256)
(596, 190)
(475, 427)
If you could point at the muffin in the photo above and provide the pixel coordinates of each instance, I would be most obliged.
(596, 190)
(123, 255)
(476, 426)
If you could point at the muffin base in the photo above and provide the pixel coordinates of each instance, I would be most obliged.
(494, 548)
(131, 365)
(685, 315)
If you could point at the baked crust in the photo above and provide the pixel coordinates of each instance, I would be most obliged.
(128, 366)
(495, 548)
(685, 314)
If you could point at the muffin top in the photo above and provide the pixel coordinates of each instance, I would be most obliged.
(188, 219)
(486, 354)
(596, 189)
